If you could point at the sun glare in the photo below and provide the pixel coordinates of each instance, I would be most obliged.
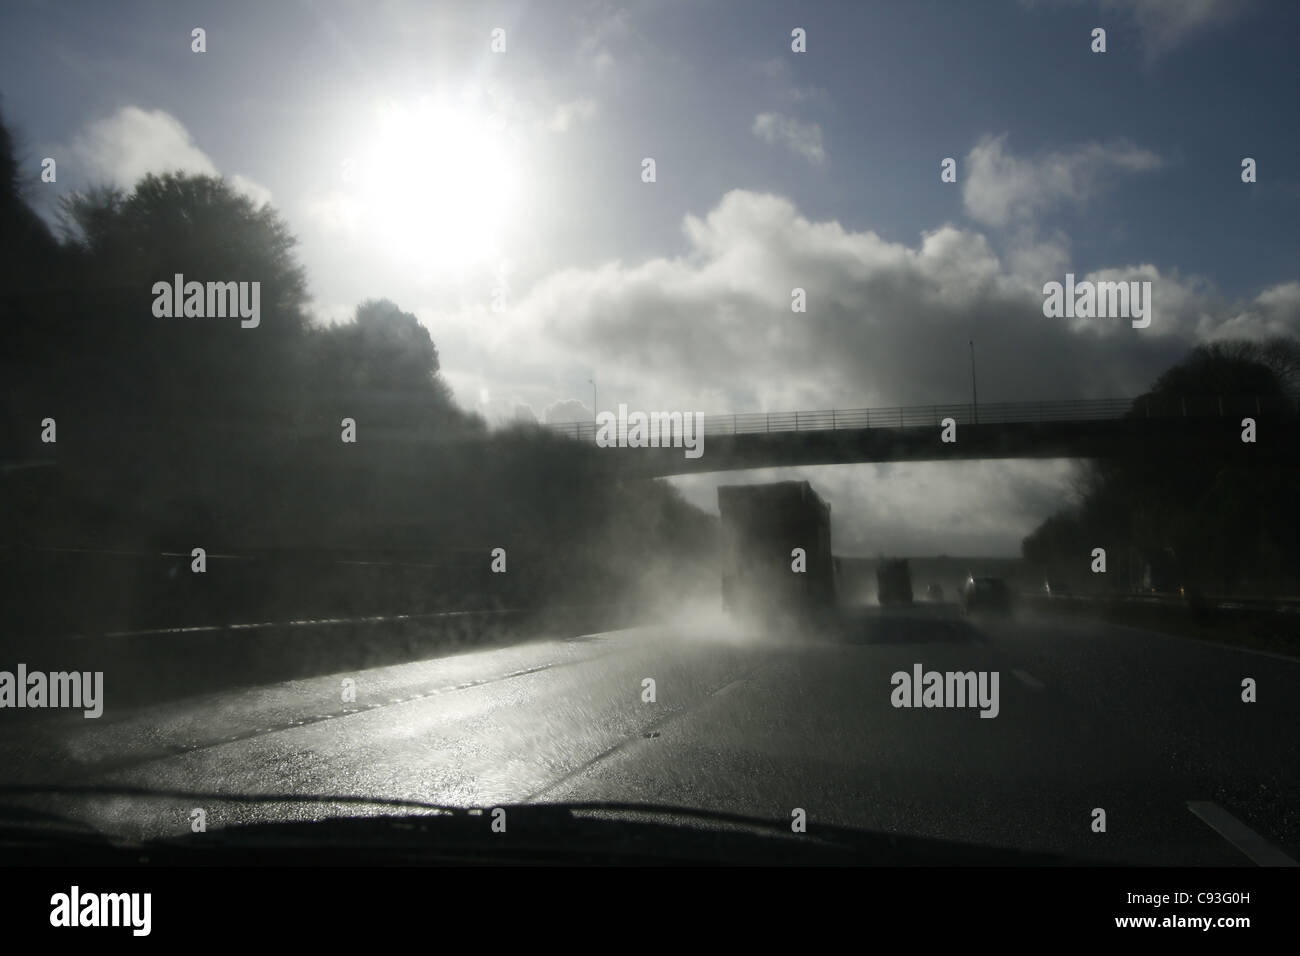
(436, 186)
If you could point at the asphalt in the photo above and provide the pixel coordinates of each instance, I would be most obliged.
(1151, 729)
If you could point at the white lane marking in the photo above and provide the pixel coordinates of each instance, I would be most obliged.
(651, 730)
(727, 688)
(1029, 680)
(1260, 851)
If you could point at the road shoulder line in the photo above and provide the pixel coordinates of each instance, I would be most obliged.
(1254, 846)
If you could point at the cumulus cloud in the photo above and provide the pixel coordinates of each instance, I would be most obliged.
(132, 142)
(123, 147)
(566, 410)
(887, 323)
(1275, 311)
(802, 138)
(253, 190)
(1037, 256)
(999, 188)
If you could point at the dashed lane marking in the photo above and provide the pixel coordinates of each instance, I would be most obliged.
(1029, 680)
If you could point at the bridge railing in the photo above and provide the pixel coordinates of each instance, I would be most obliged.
(994, 413)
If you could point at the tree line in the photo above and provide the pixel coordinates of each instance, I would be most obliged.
(1196, 524)
(172, 433)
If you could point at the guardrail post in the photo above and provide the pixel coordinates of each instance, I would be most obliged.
(733, 423)
(832, 419)
(796, 421)
(769, 422)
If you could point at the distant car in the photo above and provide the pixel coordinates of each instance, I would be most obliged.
(934, 593)
(986, 594)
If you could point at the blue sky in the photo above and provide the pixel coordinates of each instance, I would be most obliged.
(774, 169)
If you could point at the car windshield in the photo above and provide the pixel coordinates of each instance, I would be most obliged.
(669, 405)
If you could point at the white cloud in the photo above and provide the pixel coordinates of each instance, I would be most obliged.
(803, 138)
(807, 94)
(601, 27)
(336, 213)
(999, 188)
(1166, 24)
(567, 114)
(1038, 258)
(775, 68)
(253, 190)
(778, 71)
(133, 142)
(1163, 25)
(124, 147)
(887, 324)
(1275, 311)
(1182, 308)
(567, 410)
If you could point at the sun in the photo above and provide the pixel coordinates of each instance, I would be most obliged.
(437, 186)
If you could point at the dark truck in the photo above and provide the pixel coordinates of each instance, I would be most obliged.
(893, 581)
(761, 527)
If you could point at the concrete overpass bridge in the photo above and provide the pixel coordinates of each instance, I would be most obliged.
(1192, 427)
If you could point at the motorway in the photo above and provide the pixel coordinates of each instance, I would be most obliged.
(1151, 728)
